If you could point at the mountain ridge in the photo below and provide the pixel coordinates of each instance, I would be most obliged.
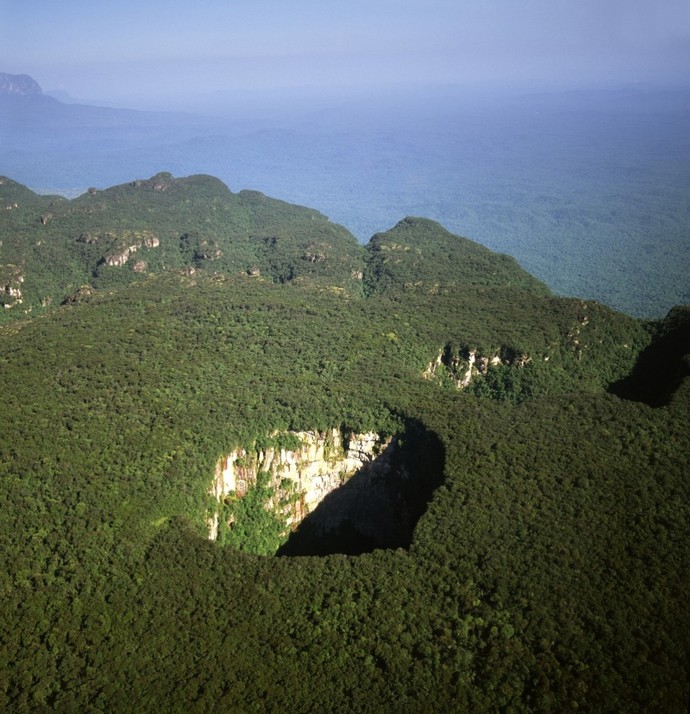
(583, 191)
(19, 84)
(197, 222)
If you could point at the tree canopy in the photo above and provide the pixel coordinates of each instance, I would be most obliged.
(547, 572)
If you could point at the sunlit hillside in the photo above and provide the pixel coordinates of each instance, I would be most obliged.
(250, 464)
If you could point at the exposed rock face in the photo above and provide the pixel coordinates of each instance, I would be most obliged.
(117, 258)
(574, 335)
(18, 84)
(11, 279)
(463, 365)
(195, 248)
(80, 295)
(331, 492)
(160, 182)
(322, 462)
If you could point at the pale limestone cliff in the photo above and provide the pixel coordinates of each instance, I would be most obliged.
(321, 463)
(466, 364)
(119, 259)
(11, 279)
(121, 245)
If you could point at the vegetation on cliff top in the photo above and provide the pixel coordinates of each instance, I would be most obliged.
(548, 572)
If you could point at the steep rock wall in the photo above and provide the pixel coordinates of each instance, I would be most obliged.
(303, 468)
(462, 366)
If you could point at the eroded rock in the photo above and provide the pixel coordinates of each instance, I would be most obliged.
(333, 492)
(462, 366)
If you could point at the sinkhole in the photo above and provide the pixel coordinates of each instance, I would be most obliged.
(321, 493)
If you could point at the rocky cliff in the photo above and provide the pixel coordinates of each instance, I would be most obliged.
(321, 492)
(11, 279)
(304, 467)
(461, 366)
(18, 84)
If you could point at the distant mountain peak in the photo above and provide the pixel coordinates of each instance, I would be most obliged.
(19, 84)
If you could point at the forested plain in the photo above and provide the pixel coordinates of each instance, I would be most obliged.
(549, 571)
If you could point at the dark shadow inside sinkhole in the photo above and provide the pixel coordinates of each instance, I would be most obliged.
(380, 505)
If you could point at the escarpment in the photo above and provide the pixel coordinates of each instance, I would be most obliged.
(11, 279)
(461, 366)
(309, 463)
(319, 492)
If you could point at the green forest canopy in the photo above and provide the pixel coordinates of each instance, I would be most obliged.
(548, 572)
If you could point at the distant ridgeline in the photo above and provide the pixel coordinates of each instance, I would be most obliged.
(53, 247)
(18, 84)
(581, 187)
(491, 481)
(491, 318)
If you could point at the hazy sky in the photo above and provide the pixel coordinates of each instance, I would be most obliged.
(124, 49)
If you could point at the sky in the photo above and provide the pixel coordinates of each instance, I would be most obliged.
(133, 49)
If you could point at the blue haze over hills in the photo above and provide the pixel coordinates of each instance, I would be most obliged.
(589, 189)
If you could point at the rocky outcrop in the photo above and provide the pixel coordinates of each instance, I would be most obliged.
(88, 238)
(463, 365)
(196, 248)
(574, 335)
(306, 465)
(11, 279)
(119, 254)
(18, 85)
(81, 294)
(315, 253)
(325, 492)
(160, 182)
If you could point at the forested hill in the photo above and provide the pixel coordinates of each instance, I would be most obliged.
(163, 338)
(111, 237)
(418, 252)
(52, 247)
